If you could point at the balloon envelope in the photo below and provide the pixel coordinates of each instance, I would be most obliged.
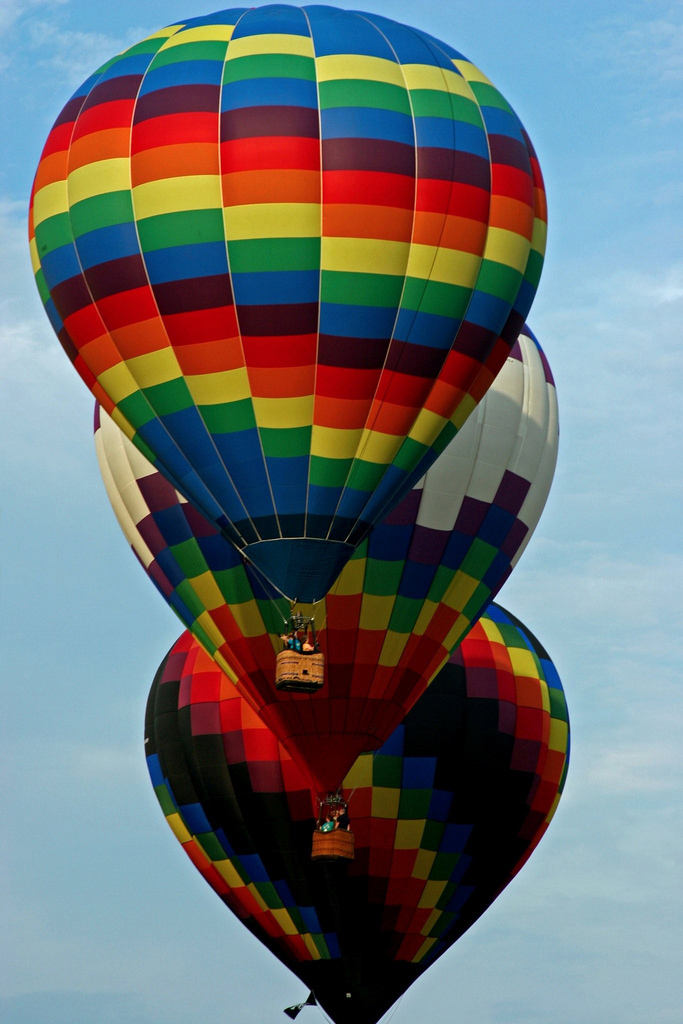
(400, 605)
(288, 250)
(444, 815)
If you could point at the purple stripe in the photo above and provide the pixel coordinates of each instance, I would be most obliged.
(368, 155)
(352, 353)
(124, 88)
(116, 276)
(427, 546)
(269, 122)
(177, 99)
(278, 321)
(454, 165)
(511, 492)
(512, 153)
(192, 294)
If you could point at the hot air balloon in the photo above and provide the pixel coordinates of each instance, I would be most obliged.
(288, 249)
(444, 814)
(401, 604)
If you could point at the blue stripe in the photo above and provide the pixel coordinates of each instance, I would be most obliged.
(276, 287)
(336, 31)
(184, 262)
(367, 123)
(275, 18)
(60, 264)
(430, 329)
(104, 244)
(348, 321)
(270, 92)
(185, 72)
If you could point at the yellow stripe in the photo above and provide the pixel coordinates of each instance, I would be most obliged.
(351, 579)
(219, 388)
(539, 236)
(301, 46)
(248, 618)
(426, 76)
(423, 864)
(353, 65)
(206, 589)
(35, 258)
(430, 922)
(200, 33)
(385, 802)
(508, 248)
(409, 834)
(284, 413)
(118, 382)
(493, 634)
(272, 220)
(152, 368)
(169, 31)
(220, 660)
(285, 922)
(173, 195)
(360, 776)
(448, 266)
(229, 873)
(423, 950)
(178, 828)
(558, 735)
(365, 255)
(329, 443)
(375, 612)
(433, 891)
(460, 591)
(378, 447)
(523, 663)
(471, 72)
(311, 947)
(49, 201)
(98, 179)
(392, 648)
(426, 427)
(257, 896)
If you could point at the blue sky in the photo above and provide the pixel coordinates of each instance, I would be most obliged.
(105, 920)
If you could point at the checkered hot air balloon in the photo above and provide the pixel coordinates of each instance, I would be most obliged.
(444, 814)
(288, 249)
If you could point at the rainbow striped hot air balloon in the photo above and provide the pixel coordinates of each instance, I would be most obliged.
(288, 249)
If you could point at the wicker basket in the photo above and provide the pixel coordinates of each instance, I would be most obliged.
(334, 845)
(299, 673)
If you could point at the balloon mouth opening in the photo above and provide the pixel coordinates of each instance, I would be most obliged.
(301, 569)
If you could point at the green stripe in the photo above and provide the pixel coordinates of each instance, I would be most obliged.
(382, 578)
(488, 96)
(101, 212)
(269, 65)
(329, 472)
(184, 228)
(53, 233)
(499, 280)
(285, 443)
(169, 397)
(344, 288)
(436, 297)
(229, 417)
(210, 49)
(261, 254)
(359, 92)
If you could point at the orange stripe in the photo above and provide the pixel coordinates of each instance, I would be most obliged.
(210, 356)
(342, 413)
(460, 233)
(348, 220)
(52, 168)
(242, 188)
(512, 215)
(174, 162)
(294, 382)
(140, 338)
(100, 355)
(103, 145)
